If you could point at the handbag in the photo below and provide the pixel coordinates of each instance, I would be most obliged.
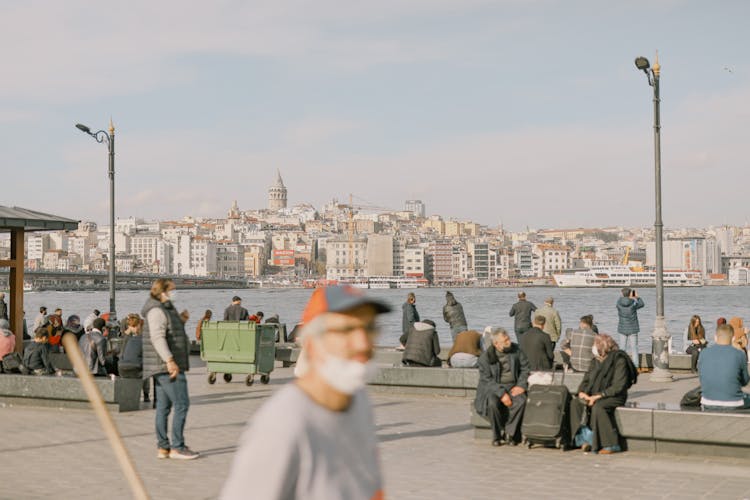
(692, 398)
(12, 363)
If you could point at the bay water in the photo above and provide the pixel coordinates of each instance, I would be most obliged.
(483, 306)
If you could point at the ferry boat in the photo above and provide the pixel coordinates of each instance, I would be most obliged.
(621, 276)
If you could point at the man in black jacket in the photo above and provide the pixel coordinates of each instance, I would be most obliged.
(235, 311)
(422, 345)
(537, 346)
(501, 393)
(522, 310)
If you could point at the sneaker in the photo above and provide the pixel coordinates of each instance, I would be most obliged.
(183, 454)
(162, 453)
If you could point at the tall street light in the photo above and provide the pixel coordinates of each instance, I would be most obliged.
(660, 337)
(102, 136)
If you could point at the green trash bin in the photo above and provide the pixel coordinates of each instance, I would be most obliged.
(243, 347)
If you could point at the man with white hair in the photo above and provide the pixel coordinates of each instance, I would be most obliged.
(315, 438)
(501, 393)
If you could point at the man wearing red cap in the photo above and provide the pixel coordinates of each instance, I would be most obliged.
(315, 438)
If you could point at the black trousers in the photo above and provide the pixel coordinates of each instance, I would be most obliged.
(601, 420)
(506, 421)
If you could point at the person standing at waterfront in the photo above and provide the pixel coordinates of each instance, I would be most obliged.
(166, 358)
(627, 324)
(235, 311)
(453, 314)
(521, 311)
(315, 438)
(552, 321)
(409, 317)
(3, 307)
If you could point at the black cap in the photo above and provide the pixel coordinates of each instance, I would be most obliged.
(236, 299)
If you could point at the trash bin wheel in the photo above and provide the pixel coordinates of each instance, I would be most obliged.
(249, 380)
(212, 378)
(227, 377)
(265, 378)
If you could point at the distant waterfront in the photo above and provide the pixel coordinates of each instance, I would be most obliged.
(483, 306)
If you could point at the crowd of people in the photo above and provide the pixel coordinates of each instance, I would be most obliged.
(608, 367)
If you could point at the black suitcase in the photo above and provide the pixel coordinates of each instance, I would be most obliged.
(545, 418)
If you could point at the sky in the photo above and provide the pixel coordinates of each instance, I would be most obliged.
(530, 113)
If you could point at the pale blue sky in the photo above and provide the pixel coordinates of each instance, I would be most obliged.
(527, 112)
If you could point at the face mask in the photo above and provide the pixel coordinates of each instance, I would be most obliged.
(344, 375)
(595, 351)
(172, 295)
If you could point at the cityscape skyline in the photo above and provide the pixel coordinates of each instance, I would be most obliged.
(530, 114)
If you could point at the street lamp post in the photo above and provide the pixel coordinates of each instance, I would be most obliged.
(660, 336)
(109, 138)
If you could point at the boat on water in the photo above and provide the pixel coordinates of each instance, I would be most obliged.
(622, 275)
(384, 282)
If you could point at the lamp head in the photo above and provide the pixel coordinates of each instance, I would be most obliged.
(642, 63)
(83, 128)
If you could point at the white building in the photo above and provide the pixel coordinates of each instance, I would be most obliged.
(345, 259)
(195, 255)
(36, 245)
(414, 262)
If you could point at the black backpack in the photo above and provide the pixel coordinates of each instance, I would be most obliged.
(12, 363)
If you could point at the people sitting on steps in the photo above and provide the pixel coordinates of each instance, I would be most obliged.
(36, 355)
(501, 392)
(466, 350)
(576, 347)
(537, 346)
(723, 372)
(422, 345)
(603, 388)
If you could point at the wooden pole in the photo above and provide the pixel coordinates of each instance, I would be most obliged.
(15, 285)
(105, 419)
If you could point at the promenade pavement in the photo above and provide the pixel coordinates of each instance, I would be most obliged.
(427, 452)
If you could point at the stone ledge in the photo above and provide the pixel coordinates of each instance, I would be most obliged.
(441, 381)
(124, 393)
(678, 432)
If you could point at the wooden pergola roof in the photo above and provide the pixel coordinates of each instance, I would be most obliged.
(31, 220)
(17, 221)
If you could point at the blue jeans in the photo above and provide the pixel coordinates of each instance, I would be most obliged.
(171, 393)
(630, 343)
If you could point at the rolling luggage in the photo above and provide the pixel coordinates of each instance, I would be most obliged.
(545, 418)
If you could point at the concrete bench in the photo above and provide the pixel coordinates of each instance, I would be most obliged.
(120, 394)
(461, 382)
(661, 428)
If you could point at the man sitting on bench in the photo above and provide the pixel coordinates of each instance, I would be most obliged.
(723, 373)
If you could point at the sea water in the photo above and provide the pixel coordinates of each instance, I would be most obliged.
(483, 306)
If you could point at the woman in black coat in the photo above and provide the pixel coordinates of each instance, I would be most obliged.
(604, 388)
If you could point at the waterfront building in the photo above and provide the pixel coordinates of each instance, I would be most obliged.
(230, 259)
(277, 194)
(554, 258)
(414, 262)
(380, 255)
(461, 271)
(523, 261)
(694, 254)
(440, 257)
(345, 258)
(36, 245)
(399, 248)
(416, 207)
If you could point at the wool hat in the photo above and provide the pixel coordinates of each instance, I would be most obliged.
(339, 298)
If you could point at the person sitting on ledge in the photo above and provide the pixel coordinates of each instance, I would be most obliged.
(466, 350)
(422, 345)
(603, 388)
(501, 392)
(7, 339)
(537, 346)
(576, 348)
(36, 356)
(723, 373)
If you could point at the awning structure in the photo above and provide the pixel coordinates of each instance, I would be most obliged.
(31, 220)
(17, 221)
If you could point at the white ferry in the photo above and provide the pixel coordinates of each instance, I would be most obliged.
(621, 276)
